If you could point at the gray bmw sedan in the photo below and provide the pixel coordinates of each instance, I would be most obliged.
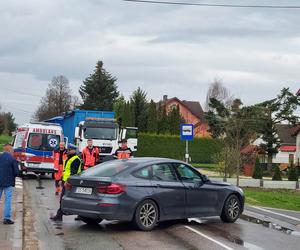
(149, 190)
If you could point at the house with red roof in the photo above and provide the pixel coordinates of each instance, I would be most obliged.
(191, 112)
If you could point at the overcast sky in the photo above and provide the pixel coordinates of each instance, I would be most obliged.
(173, 50)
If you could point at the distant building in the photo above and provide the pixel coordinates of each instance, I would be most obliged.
(287, 150)
(191, 112)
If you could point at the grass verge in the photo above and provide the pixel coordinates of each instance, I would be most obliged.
(276, 198)
(4, 139)
(207, 166)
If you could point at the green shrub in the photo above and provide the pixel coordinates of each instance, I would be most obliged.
(200, 149)
(292, 173)
(258, 171)
(277, 174)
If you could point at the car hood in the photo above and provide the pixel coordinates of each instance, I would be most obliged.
(219, 183)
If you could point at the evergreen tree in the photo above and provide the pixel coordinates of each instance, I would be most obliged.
(272, 112)
(174, 121)
(119, 109)
(258, 172)
(277, 174)
(163, 121)
(139, 104)
(99, 90)
(152, 118)
(292, 173)
(128, 116)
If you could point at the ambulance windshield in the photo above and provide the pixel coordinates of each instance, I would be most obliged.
(44, 142)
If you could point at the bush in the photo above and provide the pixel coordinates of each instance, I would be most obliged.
(277, 174)
(292, 173)
(200, 149)
(258, 171)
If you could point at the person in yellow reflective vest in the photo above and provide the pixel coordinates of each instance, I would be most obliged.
(72, 166)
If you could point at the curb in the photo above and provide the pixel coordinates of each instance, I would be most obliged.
(19, 206)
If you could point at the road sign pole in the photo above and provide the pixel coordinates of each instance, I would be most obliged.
(187, 151)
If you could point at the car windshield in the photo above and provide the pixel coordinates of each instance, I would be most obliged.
(100, 133)
(107, 169)
(44, 142)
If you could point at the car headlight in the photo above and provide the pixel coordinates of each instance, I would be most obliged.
(241, 190)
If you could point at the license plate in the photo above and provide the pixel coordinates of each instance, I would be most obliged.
(83, 190)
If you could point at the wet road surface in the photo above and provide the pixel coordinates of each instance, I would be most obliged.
(193, 234)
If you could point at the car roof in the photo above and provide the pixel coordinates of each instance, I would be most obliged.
(146, 160)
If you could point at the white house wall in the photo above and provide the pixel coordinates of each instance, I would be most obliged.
(283, 157)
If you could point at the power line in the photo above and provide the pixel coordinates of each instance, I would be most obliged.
(216, 5)
(16, 109)
(20, 92)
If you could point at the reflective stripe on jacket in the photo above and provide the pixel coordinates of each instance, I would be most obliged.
(56, 155)
(68, 165)
(123, 153)
(90, 158)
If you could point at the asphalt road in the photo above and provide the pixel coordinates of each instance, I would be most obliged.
(197, 233)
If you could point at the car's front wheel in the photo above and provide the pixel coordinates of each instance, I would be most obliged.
(232, 209)
(146, 215)
(90, 221)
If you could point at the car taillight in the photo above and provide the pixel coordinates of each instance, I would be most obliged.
(68, 186)
(111, 189)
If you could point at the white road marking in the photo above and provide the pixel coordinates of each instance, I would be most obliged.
(209, 238)
(280, 209)
(272, 212)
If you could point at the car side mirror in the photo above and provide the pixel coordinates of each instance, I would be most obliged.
(198, 183)
(205, 178)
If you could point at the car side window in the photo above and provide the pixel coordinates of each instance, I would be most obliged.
(186, 173)
(144, 173)
(163, 172)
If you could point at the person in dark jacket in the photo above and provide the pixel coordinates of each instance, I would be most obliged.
(8, 172)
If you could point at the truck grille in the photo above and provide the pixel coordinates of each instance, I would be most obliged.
(105, 150)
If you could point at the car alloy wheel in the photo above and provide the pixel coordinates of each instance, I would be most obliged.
(146, 215)
(233, 208)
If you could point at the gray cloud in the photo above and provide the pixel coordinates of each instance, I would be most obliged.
(164, 49)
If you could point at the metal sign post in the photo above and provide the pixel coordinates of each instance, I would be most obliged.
(187, 134)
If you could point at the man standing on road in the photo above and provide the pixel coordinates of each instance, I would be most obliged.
(72, 166)
(8, 173)
(123, 152)
(59, 156)
(90, 155)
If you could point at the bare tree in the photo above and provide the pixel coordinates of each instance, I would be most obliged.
(58, 99)
(219, 92)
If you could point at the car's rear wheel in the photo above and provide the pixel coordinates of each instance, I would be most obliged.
(232, 209)
(90, 221)
(146, 215)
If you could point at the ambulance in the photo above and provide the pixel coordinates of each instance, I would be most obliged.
(33, 145)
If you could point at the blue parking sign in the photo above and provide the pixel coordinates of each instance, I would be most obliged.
(187, 132)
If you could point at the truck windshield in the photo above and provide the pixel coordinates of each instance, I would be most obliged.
(44, 142)
(100, 133)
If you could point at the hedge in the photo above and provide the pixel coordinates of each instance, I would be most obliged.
(201, 150)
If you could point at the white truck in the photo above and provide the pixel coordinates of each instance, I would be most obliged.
(80, 125)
